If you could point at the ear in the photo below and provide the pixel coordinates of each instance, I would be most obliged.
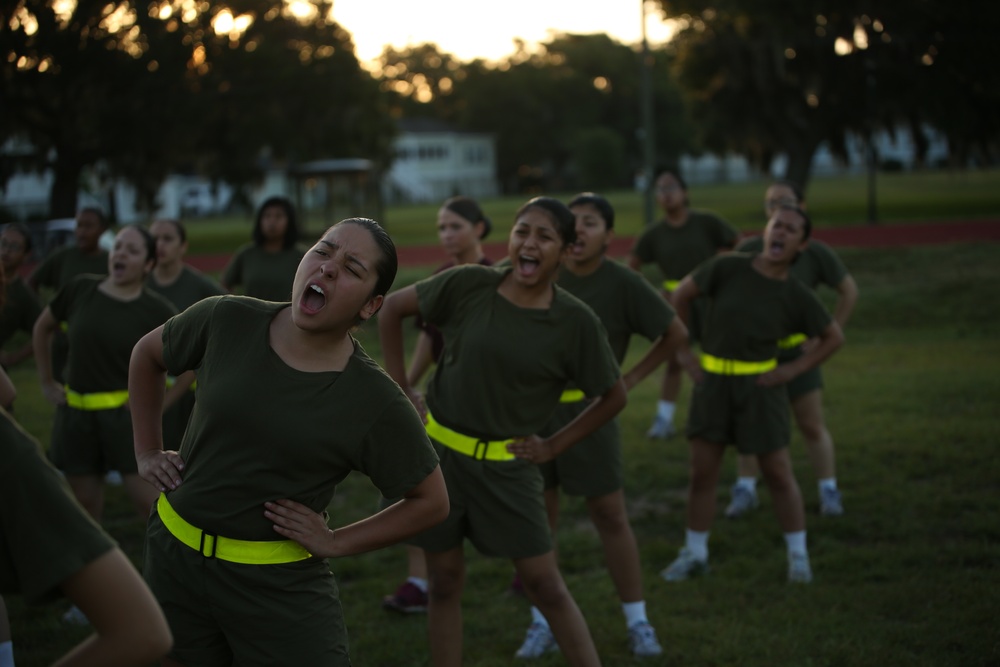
(371, 307)
(611, 236)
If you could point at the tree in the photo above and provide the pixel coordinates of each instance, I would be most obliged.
(150, 88)
(766, 77)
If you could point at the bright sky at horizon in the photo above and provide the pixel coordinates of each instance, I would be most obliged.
(473, 29)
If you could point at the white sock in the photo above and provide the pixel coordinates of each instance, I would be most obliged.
(635, 612)
(796, 542)
(697, 543)
(665, 410)
(418, 582)
(7, 654)
(748, 483)
(538, 617)
(828, 483)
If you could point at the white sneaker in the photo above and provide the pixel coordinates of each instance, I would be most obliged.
(830, 503)
(113, 477)
(743, 500)
(661, 428)
(75, 617)
(538, 641)
(799, 571)
(642, 640)
(684, 566)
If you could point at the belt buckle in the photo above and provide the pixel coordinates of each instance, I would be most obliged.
(215, 544)
(476, 450)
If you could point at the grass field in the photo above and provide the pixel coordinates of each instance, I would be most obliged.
(938, 195)
(908, 576)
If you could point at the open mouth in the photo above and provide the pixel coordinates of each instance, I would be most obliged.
(528, 265)
(313, 299)
(776, 248)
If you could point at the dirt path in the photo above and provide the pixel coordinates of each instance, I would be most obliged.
(865, 236)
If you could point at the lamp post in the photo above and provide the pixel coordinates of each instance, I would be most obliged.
(646, 134)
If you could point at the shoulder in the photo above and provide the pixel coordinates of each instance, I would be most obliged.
(566, 306)
(158, 301)
(372, 375)
(820, 249)
(751, 243)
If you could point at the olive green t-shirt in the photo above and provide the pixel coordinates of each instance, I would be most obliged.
(19, 311)
(45, 536)
(191, 286)
(678, 250)
(504, 367)
(262, 430)
(66, 263)
(623, 300)
(748, 312)
(264, 275)
(103, 331)
(817, 265)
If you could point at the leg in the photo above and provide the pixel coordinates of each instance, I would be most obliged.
(744, 491)
(446, 572)
(546, 589)
(142, 494)
(89, 492)
(808, 411)
(620, 550)
(706, 461)
(777, 469)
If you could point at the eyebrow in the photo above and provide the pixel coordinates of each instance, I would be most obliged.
(350, 257)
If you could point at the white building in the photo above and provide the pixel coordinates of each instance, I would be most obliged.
(434, 161)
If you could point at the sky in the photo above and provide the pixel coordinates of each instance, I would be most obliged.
(487, 28)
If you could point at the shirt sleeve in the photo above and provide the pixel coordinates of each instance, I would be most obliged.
(397, 453)
(725, 234)
(594, 367)
(814, 317)
(185, 336)
(233, 273)
(832, 269)
(643, 248)
(439, 296)
(649, 314)
(63, 300)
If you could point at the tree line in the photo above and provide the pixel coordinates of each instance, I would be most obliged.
(135, 91)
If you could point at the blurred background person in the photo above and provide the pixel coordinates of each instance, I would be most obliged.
(20, 307)
(816, 265)
(265, 267)
(679, 242)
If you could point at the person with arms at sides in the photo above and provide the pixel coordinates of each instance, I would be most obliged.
(92, 432)
(266, 267)
(64, 264)
(182, 286)
(818, 264)
(682, 240)
(21, 307)
(626, 304)
(50, 548)
(238, 544)
(513, 341)
(739, 395)
(461, 226)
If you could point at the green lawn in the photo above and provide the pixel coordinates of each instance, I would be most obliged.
(908, 576)
(936, 195)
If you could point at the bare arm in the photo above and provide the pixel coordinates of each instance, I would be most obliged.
(847, 298)
(829, 341)
(8, 359)
(129, 626)
(41, 340)
(673, 339)
(681, 299)
(397, 306)
(423, 358)
(147, 377)
(599, 412)
(423, 506)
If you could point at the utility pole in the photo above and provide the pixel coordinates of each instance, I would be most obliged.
(646, 134)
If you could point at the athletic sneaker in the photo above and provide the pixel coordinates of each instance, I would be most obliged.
(830, 503)
(661, 428)
(743, 500)
(538, 641)
(642, 640)
(75, 617)
(408, 599)
(113, 477)
(799, 571)
(684, 566)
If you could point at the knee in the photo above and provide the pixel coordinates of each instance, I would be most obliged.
(812, 429)
(546, 591)
(445, 584)
(609, 519)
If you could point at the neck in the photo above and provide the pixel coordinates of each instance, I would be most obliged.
(273, 245)
(310, 351)
(775, 270)
(470, 256)
(676, 217)
(584, 267)
(167, 272)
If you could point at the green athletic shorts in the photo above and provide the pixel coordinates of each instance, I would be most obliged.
(592, 467)
(732, 409)
(92, 442)
(223, 614)
(809, 381)
(497, 505)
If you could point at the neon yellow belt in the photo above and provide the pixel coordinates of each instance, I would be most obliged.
(490, 450)
(572, 396)
(104, 400)
(671, 285)
(226, 548)
(792, 341)
(735, 366)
